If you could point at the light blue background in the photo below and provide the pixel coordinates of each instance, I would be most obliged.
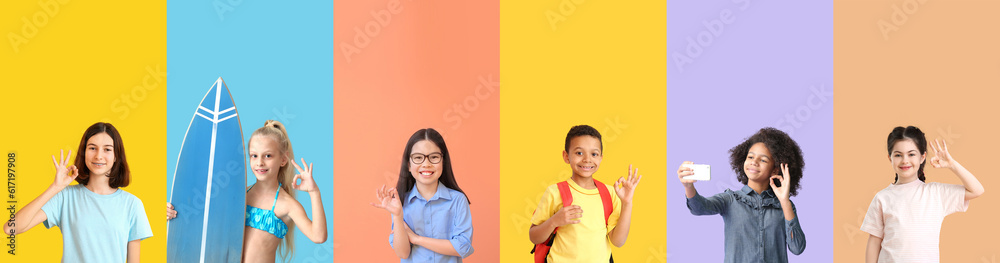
(276, 58)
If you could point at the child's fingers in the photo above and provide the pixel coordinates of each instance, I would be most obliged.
(688, 162)
(56, 164)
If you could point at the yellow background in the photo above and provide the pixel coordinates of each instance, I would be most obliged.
(603, 66)
(90, 61)
(938, 71)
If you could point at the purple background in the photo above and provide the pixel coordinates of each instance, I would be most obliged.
(761, 68)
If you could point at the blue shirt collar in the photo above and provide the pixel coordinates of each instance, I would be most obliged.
(441, 193)
(746, 190)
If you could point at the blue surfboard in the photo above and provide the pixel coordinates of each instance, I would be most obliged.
(209, 184)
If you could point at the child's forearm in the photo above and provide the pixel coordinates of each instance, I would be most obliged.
(400, 241)
(319, 218)
(25, 218)
(689, 190)
(973, 188)
(620, 234)
(786, 209)
(442, 246)
(873, 249)
(539, 233)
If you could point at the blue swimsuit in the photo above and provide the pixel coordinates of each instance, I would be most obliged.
(265, 220)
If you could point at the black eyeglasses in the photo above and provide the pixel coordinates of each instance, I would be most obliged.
(418, 158)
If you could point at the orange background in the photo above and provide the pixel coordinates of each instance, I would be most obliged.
(938, 72)
(416, 67)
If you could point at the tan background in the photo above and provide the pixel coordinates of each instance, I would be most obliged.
(938, 71)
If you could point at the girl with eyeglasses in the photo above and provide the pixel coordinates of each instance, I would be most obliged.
(431, 220)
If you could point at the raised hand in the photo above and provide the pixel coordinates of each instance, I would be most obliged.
(683, 171)
(171, 213)
(388, 200)
(64, 174)
(625, 187)
(781, 192)
(941, 159)
(307, 184)
(567, 215)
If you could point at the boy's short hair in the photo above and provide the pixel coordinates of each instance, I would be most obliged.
(582, 130)
(783, 150)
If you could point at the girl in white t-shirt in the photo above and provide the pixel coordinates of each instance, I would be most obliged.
(904, 219)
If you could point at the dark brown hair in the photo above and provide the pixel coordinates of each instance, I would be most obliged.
(909, 133)
(119, 174)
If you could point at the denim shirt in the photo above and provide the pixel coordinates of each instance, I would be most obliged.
(756, 229)
(445, 215)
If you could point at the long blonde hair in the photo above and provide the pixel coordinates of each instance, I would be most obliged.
(286, 176)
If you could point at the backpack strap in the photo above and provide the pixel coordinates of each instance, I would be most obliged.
(567, 196)
(602, 189)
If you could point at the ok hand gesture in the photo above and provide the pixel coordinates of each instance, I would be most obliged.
(308, 184)
(781, 192)
(625, 187)
(941, 159)
(388, 200)
(64, 174)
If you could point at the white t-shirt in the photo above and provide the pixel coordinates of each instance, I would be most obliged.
(96, 228)
(908, 218)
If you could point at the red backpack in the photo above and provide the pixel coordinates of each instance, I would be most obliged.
(541, 251)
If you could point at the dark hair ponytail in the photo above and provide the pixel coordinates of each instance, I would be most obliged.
(918, 138)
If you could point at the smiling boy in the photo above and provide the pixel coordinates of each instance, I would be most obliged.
(584, 233)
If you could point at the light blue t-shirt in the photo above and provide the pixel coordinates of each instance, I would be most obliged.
(96, 228)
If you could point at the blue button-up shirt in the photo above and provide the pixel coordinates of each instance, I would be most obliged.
(446, 216)
(756, 229)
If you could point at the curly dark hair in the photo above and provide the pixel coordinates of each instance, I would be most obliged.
(909, 133)
(582, 130)
(783, 150)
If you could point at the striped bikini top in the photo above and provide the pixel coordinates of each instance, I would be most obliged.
(265, 220)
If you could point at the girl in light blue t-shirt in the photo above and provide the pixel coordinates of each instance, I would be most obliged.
(99, 222)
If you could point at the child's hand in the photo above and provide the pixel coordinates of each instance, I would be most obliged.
(685, 171)
(567, 215)
(388, 200)
(625, 188)
(64, 174)
(781, 192)
(941, 159)
(308, 184)
(171, 213)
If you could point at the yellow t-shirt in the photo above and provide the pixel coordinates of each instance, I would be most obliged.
(586, 241)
